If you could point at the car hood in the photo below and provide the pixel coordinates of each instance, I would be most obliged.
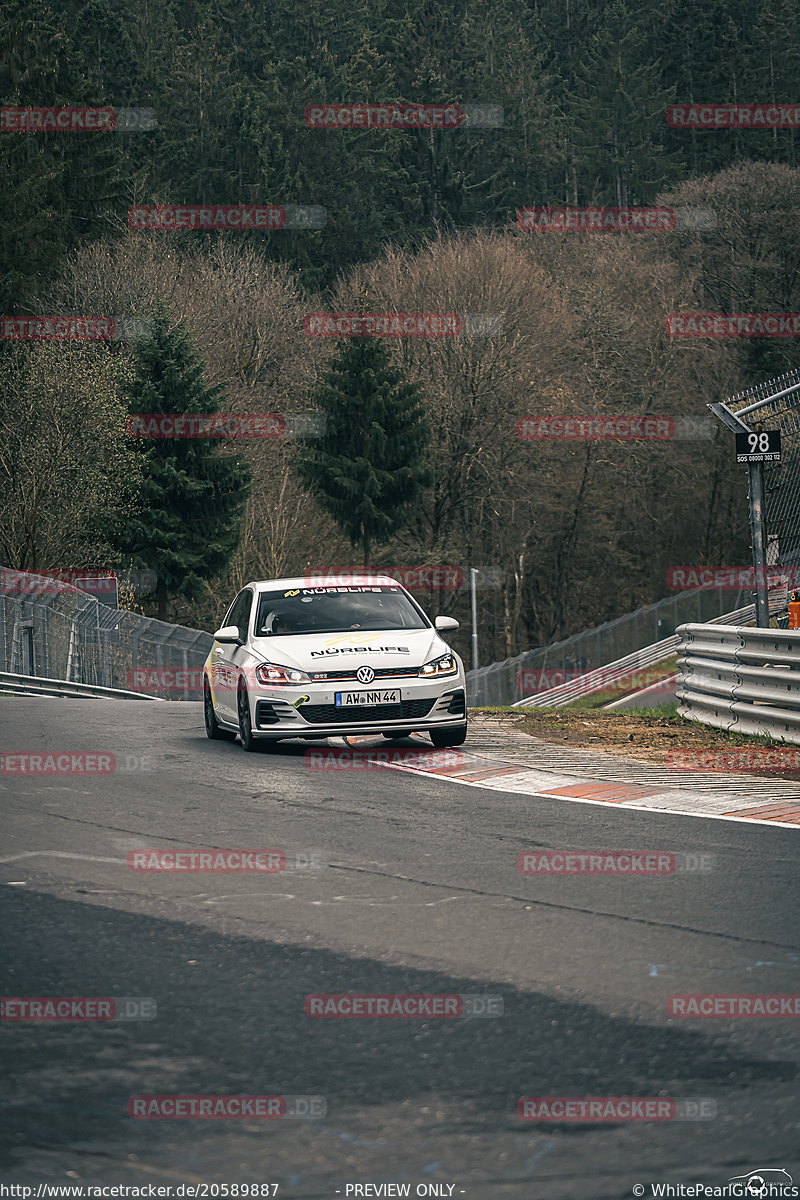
(344, 651)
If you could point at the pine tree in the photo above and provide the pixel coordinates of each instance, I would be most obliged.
(52, 185)
(200, 96)
(368, 470)
(361, 177)
(186, 526)
(617, 110)
(503, 61)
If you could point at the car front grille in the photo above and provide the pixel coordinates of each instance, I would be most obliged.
(380, 673)
(330, 714)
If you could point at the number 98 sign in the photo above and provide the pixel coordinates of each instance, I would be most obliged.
(762, 447)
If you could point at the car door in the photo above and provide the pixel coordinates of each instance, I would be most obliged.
(228, 657)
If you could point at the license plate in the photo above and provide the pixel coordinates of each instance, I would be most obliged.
(354, 699)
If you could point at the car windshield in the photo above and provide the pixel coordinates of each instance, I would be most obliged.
(336, 610)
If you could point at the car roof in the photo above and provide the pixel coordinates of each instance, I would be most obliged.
(320, 579)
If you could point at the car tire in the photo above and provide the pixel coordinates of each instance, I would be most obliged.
(249, 743)
(214, 730)
(456, 735)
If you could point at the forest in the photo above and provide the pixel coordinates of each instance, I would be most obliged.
(569, 103)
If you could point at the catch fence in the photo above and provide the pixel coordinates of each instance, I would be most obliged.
(778, 407)
(540, 669)
(53, 630)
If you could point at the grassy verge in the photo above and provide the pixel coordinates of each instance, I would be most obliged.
(646, 675)
(649, 734)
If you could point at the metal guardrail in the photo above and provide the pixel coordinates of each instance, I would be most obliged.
(34, 685)
(504, 682)
(741, 679)
(603, 678)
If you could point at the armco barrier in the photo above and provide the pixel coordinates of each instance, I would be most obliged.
(741, 679)
(34, 685)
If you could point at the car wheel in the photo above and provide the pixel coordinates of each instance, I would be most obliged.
(214, 730)
(245, 724)
(455, 736)
(401, 733)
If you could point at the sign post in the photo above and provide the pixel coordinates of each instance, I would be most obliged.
(758, 536)
(758, 447)
(754, 449)
(473, 574)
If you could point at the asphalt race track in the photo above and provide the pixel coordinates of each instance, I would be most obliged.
(396, 883)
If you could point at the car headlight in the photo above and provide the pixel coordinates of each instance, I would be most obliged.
(272, 674)
(446, 665)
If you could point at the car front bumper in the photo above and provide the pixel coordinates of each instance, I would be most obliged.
(313, 713)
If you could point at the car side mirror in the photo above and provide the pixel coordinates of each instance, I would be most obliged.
(229, 634)
(445, 623)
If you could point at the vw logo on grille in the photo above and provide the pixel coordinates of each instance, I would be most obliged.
(365, 674)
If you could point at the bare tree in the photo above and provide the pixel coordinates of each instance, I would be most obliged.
(67, 473)
(245, 316)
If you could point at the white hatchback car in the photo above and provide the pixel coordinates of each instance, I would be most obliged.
(293, 660)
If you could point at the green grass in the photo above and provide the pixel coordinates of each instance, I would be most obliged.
(660, 712)
(544, 720)
(494, 708)
(660, 670)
